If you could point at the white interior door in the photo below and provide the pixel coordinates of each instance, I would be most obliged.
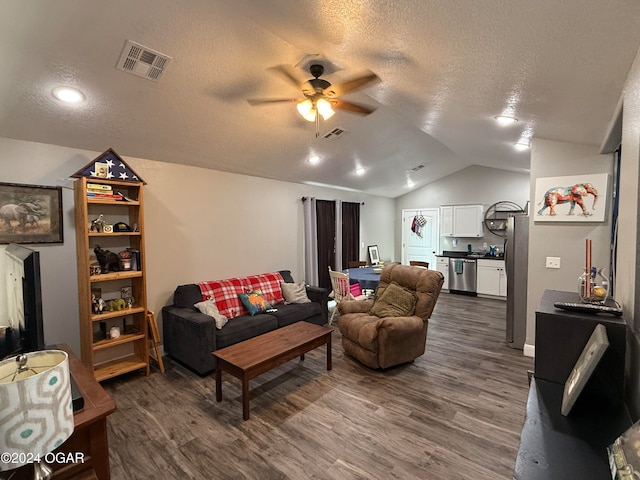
(420, 243)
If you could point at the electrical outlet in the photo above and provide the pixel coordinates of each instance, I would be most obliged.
(553, 262)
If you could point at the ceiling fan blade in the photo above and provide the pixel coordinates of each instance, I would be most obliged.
(267, 101)
(348, 86)
(352, 107)
(290, 74)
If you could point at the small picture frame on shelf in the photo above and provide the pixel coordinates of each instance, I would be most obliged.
(374, 256)
(106, 228)
(126, 292)
(101, 170)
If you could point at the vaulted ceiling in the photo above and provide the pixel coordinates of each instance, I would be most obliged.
(446, 69)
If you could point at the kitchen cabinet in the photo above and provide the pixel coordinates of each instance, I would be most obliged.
(491, 278)
(446, 221)
(461, 221)
(442, 266)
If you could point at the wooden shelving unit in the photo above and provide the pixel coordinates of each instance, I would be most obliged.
(107, 357)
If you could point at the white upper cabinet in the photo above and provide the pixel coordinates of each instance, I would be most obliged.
(446, 221)
(461, 220)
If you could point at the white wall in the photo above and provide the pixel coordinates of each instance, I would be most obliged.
(564, 240)
(200, 225)
(628, 266)
(473, 185)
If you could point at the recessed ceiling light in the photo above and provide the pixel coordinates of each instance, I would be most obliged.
(359, 171)
(522, 145)
(505, 120)
(314, 160)
(68, 94)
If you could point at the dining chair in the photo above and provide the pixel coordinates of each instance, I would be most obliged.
(341, 290)
(416, 263)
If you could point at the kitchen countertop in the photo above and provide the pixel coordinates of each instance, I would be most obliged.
(486, 256)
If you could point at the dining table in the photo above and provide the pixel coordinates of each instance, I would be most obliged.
(365, 276)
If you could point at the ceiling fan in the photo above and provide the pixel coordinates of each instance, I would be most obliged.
(320, 96)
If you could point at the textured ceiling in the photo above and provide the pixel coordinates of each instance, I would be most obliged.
(447, 68)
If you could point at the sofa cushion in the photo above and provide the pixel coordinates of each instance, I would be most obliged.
(269, 285)
(254, 302)
(208, 307)
(186, 296)
(286, 276)
(295, 293)
(395, 301)
(245, 327)
(225, 294)
(295, 312)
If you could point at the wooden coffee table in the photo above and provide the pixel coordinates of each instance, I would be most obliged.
(253, 357)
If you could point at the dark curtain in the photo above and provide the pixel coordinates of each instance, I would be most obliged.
(350, 232)
(326, 219)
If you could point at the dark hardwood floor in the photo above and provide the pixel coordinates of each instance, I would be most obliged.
(456, 412)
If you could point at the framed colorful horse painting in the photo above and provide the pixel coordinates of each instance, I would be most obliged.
(575, 198)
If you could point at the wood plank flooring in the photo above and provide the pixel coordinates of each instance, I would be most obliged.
(456, 412)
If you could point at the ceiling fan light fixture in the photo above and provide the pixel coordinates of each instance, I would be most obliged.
(305, 108)
(505, 120)
(324, 108)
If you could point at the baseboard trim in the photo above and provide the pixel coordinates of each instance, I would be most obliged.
(529, 350)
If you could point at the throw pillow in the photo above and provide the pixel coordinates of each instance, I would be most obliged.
(254, 302)
(395, 301)
(208, 307)
(294, 292)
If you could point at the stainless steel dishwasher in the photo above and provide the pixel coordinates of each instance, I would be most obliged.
(462, 275)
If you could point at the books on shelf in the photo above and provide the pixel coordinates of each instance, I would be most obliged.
(98, 187)
(110, 196)
(624, 454)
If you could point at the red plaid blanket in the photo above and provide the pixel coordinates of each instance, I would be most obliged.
(269, 285)
(225, 292)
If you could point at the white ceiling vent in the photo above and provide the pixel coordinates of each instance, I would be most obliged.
(335, 134)
(142, 61)
(418, 168)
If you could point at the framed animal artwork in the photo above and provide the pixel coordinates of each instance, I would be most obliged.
(30, 214)
(575, 198)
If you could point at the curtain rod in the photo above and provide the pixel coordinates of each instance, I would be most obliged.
(304, 199)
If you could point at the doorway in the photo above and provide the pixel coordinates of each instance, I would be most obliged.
(420, 239)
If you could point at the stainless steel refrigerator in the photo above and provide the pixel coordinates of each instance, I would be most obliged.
(516, 257)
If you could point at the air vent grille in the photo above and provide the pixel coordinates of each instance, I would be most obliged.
(418, 168)
(335, 134)
(142, 61)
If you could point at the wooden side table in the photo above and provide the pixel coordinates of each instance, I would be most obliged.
(90, 430)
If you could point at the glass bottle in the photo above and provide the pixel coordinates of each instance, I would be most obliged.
(593, 287)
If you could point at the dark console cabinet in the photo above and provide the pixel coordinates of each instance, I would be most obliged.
(561, 336)
(552, 446)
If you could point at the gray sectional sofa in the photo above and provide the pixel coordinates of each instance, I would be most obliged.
(190, 336)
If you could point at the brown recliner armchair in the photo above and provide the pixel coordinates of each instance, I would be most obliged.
(391, 340)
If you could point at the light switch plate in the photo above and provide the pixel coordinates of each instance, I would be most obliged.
(553, 262)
